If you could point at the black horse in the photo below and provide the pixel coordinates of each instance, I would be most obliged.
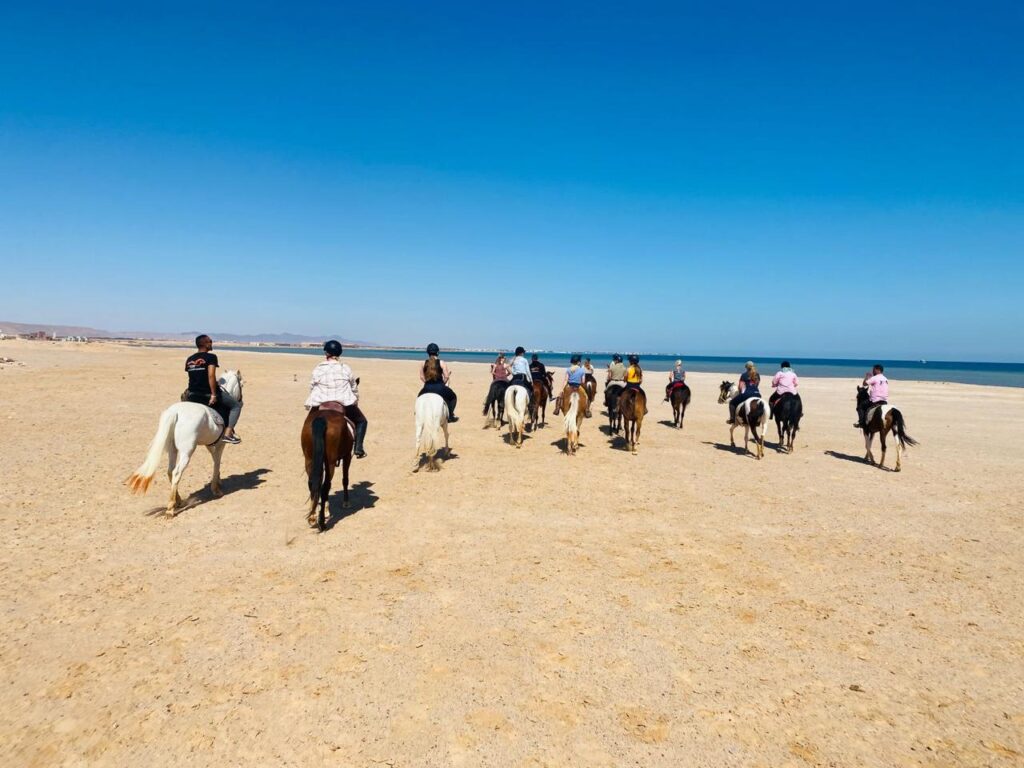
(611, 402)
(494, 405)
(680, 397)
(787, 410)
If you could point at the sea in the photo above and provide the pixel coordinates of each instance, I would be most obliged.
(990, 374)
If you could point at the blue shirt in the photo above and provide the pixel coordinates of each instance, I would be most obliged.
(520, 366)
(576, 376)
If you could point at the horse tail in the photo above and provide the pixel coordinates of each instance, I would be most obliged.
(900, 428)
(316, 472)
(141, 479)
(570, 414)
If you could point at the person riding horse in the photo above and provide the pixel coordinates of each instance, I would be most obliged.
(500, 374)
(574, 376)
(522, 374)
(333, 386)
(538, 372)
(635, 376)
(201, 368)
(615, 378)
(676, 379)
(434, 374)
(785, 382)
(878, 393)
(748, 386)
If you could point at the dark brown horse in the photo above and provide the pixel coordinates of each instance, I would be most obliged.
(327, 438)
(680, 399)
(632, 407)
(611, 403)
(590, 385)
(541, 394)
(883, 419)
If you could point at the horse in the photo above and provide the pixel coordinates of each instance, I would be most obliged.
(680, 399)
(752, 414)
(787, 410)
(495, 403)
(517, 401)
(590, 385)
(541, 394)
(182, 428)
(632, 406)
(611, 402)
(883, 419)
(431, 422)
(574, 404)
(327, 439)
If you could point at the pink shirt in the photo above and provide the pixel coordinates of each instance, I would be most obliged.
(878, 388)
(785, 381)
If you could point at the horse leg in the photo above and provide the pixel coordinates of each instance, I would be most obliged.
(172, 459)
(325, 491)
(732, 440)
(881, 439)
(778, 426)
(216, 451)
(636, 437)
(345, 464)
(184, 457)
(898, 466)
(868, 439)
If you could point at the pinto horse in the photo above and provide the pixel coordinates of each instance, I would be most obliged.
(327, 439)
(541, 394)
(517, 402)
(680, 399)
(787, 410)
(495, 403)
(183, 427)
(752, 414)
(574, 403)
(882, 419)
(590, 385)
(632, 406)
(612, 393)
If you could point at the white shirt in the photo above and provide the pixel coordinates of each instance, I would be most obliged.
(332, 380)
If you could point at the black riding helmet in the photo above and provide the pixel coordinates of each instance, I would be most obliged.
(574, 360)
(433, 349)
(634, 359)
(616, 358)
(333, 348)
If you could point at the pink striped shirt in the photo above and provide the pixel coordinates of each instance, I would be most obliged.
(785, 381)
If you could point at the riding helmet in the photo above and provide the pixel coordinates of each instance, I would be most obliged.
(617, 358)
(333, 348)
(634, 359)
(574, 360)
(433, 349)
(520, 351)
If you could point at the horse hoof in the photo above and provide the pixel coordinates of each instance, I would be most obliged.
(217, 492)
(346, 505)
(171, 512)
(311, 520)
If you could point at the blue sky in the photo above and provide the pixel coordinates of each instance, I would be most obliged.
(819, 179)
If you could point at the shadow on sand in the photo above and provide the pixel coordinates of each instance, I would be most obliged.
(240, 482)
(360, 497)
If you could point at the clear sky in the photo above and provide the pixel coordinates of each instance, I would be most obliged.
(816, 179)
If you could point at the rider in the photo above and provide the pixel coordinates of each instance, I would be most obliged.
(538, 371)
(635, 376)
(878, 393)
(588, 367)
(522, 372)
(616, 376)
(574, 376)
(203, 389)
(676, 378)
(333, 382)
(434, 374)
(748, 386)
(785, 382)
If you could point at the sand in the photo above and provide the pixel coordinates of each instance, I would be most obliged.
(685, 606)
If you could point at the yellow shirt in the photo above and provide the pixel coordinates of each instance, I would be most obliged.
(633, 375)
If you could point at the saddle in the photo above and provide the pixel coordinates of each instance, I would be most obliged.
(200, 398)
(332, 405)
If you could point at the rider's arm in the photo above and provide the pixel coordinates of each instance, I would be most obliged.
(446, 372)
(211, 372)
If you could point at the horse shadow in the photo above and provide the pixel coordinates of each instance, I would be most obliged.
(856, 460)
(668, 423)
(244, 481)
(510, 440)
(443, 456)
(360, 497)
(739, 450)
(562, 444)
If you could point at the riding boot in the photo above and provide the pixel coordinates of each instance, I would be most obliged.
(360, 434)
(732, 414)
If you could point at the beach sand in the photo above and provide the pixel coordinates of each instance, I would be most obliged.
(685, 606)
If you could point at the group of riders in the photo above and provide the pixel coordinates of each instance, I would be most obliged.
(333, 385)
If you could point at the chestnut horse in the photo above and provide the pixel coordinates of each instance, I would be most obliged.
(590, 385)
(632, 407)
(327, 438)
(574, 403)
(541, 394)
(883, 419)
(680, 399)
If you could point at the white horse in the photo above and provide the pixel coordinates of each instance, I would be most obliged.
(183, 427)
(431, 422)
(572, 421)
(517, 404)
(752, 414)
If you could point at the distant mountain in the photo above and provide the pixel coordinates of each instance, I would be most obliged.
(11, 328)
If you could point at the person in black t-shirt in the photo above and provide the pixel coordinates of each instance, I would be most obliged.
(201, 368)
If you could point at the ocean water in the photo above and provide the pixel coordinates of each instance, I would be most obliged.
(991, 374)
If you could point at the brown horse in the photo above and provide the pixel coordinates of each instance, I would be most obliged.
(611, 403)
(574, 404)
(590, 384)
(327, 438)
(541, 395)
(680, 399)
(883, 419)
(632, 407)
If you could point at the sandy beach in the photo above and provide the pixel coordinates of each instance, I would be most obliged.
(684, 606)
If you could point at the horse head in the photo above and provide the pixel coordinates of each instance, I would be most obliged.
(724, 390)
(862, 394)
(232, 382)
